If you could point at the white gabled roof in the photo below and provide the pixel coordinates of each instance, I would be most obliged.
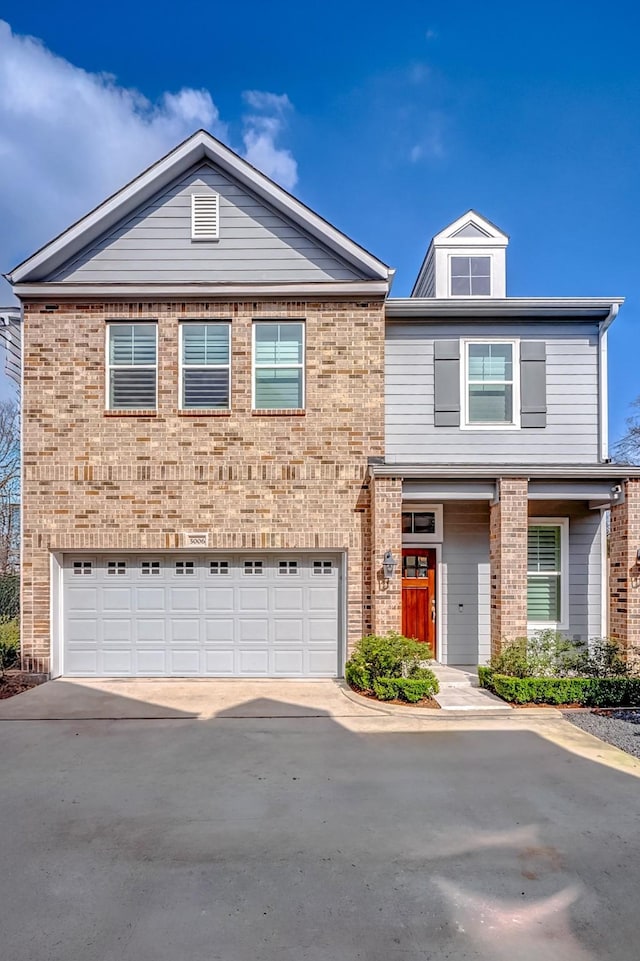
(471, 227)
(200, 146)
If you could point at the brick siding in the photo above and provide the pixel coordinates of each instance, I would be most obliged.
(508, 561)
(294, 481)
(624, 571)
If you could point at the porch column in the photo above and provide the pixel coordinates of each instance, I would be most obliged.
(624, 571)
(386, 535)
(508, 560)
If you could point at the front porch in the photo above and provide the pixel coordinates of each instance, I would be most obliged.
(485, 559)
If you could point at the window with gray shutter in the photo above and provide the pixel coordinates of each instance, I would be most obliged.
(132, 366)
(205, 366)
(533, 384)
(446, 359)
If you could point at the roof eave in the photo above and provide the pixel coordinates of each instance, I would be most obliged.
(431, 308)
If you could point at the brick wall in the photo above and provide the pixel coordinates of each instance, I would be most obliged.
(386, 526)
(508, 560)
(99, 481)
(624, 571)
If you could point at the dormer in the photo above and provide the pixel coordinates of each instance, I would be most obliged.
(465, 260)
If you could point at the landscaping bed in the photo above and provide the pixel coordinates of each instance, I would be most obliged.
(427, 702)
(15, 682)
(620, 727)
(548, 669)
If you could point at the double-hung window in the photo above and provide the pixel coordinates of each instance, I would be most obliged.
(470, 276)
(278, 359)
(132, 369)
(491, 388)
(204, 366)
(547, 552)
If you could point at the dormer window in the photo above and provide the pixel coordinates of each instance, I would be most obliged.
(470, 276)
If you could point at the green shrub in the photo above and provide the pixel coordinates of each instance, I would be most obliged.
(588, 691)
(485, 677)
(550, 654)
(409, 689)
(9, 596)
(9, 643)
(387, 655)
(546, 654)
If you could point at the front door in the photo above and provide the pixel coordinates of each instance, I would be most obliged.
(419, 594)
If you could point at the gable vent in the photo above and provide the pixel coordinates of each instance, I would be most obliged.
(204, 216)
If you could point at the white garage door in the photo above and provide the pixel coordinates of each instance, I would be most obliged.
(201, 615)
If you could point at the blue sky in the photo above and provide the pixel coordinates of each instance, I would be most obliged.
(390, 121)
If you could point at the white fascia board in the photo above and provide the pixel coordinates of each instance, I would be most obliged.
(544, 308)
(612, 472)
(200, 146)
(365, 288)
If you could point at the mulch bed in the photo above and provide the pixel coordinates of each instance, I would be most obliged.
(15, 682)
(427, 702)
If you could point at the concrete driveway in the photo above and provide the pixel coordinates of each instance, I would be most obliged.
(288, 826)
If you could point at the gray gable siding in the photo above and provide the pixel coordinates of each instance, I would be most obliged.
(256, 244)
(571, 434)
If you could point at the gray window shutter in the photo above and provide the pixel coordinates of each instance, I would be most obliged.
(446, 360)
(533, 383)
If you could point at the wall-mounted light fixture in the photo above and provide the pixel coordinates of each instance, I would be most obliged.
(638, 556)
(389, 565)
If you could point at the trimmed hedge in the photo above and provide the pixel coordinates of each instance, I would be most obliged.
(588, 691)
(485, 675)
(385, 655)
(409, 689)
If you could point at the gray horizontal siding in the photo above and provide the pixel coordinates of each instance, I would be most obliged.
(256, 243)
(585, 564)
(571, 434)
(466, 628)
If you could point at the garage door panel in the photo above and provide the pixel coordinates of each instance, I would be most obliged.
(82, 598)
(321, 663)
(185, 629)
(219, 629)
(254, 661)
(288, 662)
(288, 599)
(253, 629)
(120, 629)
(150, 629)
(185, 662)
(218, 599)
(151, 661)
(288, 629)
(254, 599)
(185, 599)
(151, 599)
(118, 662)
(82, 662)
(219, 662)
(163, 615)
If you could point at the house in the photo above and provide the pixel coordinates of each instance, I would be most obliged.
(240, 453)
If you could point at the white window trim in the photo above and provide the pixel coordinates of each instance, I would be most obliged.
(227, 366)
(300, 366)
(464, 392)
(415, 507)
(563, 623)
(109, 366)
(470, 253)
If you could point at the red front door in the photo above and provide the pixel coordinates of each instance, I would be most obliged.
(419, 594)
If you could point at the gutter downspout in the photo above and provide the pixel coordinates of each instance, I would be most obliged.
(603, 384)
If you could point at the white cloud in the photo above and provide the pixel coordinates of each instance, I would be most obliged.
(69, 138)
(261, 130)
